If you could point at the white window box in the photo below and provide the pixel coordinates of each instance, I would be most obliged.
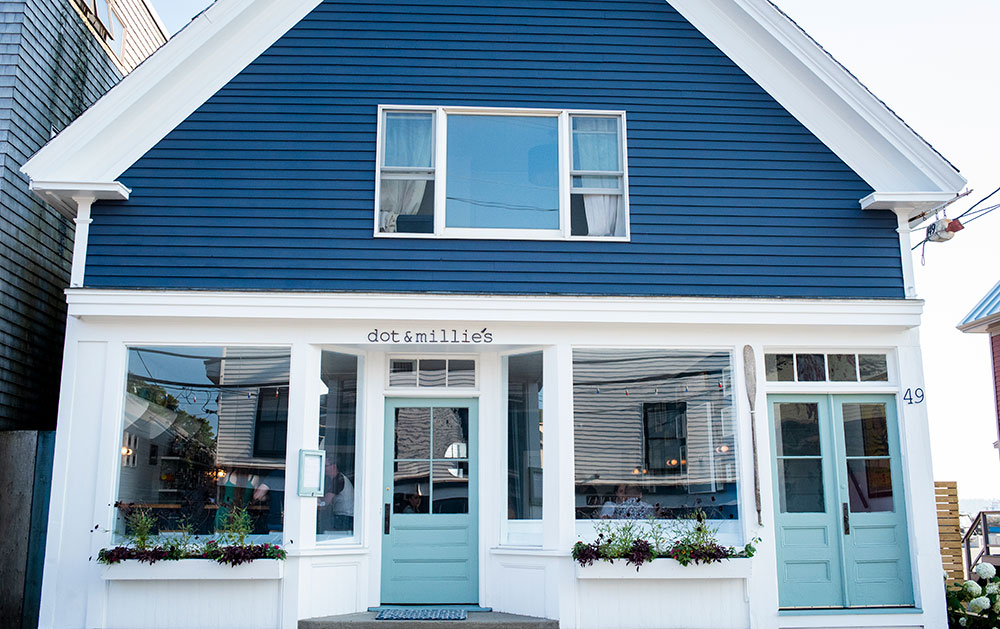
(193, 570)
(663, 568)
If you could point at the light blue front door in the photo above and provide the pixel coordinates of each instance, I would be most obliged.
(840, 516)
(430, 503)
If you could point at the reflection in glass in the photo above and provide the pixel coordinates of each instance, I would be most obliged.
(402, 373)
(461, 373)
(801, 485)
(865, 432)
(188, 447)
(810, 367)
(873, 368)
(451, 487)
(451, 433)
(842, 368)
(869, 483)
(503, 172)
(413, 433)
(411, 486)
(779, 367)
(338, 411)
(524, 436)
(797, 431)
(408, 140)
(432, 373)
(681, 402)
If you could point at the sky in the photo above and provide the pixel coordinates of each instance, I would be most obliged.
(936, 65)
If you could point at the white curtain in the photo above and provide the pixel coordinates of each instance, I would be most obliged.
(602, 215)
(407, 145)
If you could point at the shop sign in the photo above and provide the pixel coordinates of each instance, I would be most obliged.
(452, 336)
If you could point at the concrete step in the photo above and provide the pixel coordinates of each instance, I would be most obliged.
(475, 620)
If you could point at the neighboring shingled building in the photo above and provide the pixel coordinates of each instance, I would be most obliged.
(57, 57)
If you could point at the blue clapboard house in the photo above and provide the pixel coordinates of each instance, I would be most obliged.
(430, 291)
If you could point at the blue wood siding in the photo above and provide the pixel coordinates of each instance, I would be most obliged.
(270, 184)
(51, 69)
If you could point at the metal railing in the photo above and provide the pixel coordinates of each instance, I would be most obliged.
(982, 539)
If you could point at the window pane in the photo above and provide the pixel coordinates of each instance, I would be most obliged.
(842, 368)
(873, 368)
(403, 373)
(651, 433)
(811, 367)
(595, 144)
(451, 433)
(192, 418)
(779, 367)
(411, 486)
(338, 412)
(432, 373)
(408, 140)
(503, 172)
(797, 429)
(524, 436)
(801, 485)
(406, 205)
(461, 373)
(451, 487)
(413, 433)
(865, 432)
(869, 483)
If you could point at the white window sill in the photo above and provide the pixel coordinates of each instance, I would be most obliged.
(667, 569)
(500, 234)
(194, 570)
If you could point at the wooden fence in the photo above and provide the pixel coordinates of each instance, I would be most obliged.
(949, 530)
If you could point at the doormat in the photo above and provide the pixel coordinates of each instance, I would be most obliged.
(421, 614)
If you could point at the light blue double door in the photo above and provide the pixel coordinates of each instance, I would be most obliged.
(430, 503)
(840, 517)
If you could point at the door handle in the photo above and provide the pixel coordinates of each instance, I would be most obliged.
(847, 520)
(388, 512)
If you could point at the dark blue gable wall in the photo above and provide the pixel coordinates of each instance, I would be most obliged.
(270, 184)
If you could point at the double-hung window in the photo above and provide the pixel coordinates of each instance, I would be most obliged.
(501, 173)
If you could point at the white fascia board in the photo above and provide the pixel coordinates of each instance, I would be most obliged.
(165, 89)
(239, 305)
(63, 195)
(980, 326)
(822, 95)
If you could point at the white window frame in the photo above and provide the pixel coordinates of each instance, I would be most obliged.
(438, 174)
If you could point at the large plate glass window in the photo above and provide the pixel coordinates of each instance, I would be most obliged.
(524, 436)
(338, 427)
(654, 434)
(502, 173)
(203, 439)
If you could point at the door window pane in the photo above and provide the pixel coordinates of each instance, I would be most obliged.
(451, 487)
(451, 433)
(842, 368)
(524, 436)
(432, 373)
(413, 433)
(411, 485)
(873, 368)
(779, 367)
(869, 484)
(503, 172)
(797, 431)
(338, 419)
(811, 367)
(800, 482)
(865, 432)
(191, 421)
(402, 373)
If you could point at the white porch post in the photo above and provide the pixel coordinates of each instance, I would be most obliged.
(82, 234)
(903, 229)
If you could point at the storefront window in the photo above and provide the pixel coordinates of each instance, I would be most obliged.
(338, 417)
(203, 439)
(524, 436)
(654, 434)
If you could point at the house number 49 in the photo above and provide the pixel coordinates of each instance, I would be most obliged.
(914, 396)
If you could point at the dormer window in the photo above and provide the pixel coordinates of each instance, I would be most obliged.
(501, 173)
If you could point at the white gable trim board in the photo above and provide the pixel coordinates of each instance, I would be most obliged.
(128, 121)
(524, 566)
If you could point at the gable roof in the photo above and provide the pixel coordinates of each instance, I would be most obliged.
(905, 172)
(985, 314)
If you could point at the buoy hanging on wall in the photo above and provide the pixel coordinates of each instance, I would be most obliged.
(943, 229)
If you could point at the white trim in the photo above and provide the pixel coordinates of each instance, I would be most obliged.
(80, 238)
(64, 195)
(370, 307)
(737, 568)
(193, 570)
(822, 95)
(439, 172)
